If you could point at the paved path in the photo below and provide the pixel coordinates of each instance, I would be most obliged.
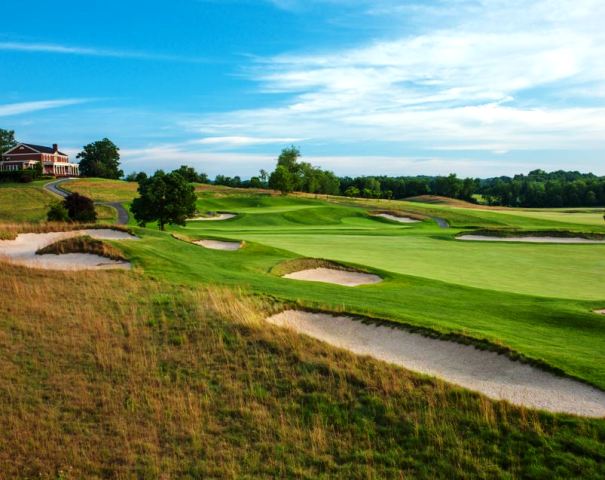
(55, 187)
(441, 222)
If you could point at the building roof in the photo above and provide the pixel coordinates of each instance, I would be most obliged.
(41, 148)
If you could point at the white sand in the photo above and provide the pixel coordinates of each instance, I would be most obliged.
(218, 245)
(395, 218)
(600, 312)
(220, 216)
(22, 251)
(532, 239)
(496, 376)
(331, 275)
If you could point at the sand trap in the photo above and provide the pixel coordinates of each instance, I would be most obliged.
(494, 375)
(395, 218)
(22, 251)
(331, 275)
(600, 312)
(218, 245)
(220, 216)
(529, 239)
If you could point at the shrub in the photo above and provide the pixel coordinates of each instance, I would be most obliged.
(57, 213)
(80, 208)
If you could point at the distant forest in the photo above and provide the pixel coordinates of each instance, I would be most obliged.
(536, 189)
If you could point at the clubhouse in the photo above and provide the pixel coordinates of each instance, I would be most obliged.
(25, 155)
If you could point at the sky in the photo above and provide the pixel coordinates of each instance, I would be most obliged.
(368, 87)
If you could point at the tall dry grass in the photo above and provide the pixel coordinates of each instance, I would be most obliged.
(111, 375)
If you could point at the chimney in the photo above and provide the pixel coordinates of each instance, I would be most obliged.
(55, 147)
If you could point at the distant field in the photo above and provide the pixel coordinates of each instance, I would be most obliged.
(103, 190)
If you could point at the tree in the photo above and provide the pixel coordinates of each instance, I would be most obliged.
(7, 140)
(80, 208)
(165, 198)
(288, 158)
(57, 213)
(100, 159)
(281, 179)
(135, 177)
(189, 174)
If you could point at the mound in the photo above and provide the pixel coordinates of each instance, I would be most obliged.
(487, 372)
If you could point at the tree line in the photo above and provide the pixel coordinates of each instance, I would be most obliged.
(541, 189)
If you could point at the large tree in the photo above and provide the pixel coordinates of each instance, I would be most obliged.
(100, 159)
(7, 140)
(281, 179)
(164, 197)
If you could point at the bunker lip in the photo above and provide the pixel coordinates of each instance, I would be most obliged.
(529, 239)
(219, 244)
(492, 374)
(214, 218)
(347, 278)
(395, 218)
(22, 251)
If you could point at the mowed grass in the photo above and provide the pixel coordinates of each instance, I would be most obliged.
(21, 202)
(147, 379)
(103, 190)
(534, 299)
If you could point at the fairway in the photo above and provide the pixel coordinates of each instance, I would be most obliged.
(319, 229)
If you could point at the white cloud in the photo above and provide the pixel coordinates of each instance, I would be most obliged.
(243, 141)
(28, 107)
(500, 77)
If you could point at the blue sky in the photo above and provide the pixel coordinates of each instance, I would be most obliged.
(475, 87)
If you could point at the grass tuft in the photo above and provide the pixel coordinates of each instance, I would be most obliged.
(83, 244)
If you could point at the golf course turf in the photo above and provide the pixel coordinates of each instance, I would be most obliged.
(535, 302)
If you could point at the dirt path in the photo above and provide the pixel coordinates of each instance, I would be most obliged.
(496, 376)
(55, 187)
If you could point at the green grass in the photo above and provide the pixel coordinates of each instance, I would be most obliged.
(147, 379)
(24, 202)
(533, 298)
(202, 387)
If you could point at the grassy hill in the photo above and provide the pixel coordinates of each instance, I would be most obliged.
(169, 368)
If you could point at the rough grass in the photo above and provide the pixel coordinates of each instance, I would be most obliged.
(103, 190)
(83, 244)
(148, 380)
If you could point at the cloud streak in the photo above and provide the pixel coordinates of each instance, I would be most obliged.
(53, 48)
(10, 109)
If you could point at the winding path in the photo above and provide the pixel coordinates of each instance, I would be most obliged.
(441, 222)
(55, 187)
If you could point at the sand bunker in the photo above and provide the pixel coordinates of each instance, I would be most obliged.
(220, 216)
(528, 239)
(496, 376)
(331, 275)
(600, 312)
(395, 218)
(218, 245)
(22, 251)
